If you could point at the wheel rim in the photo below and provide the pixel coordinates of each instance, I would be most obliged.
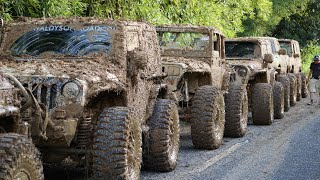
(244, 113)
(218, 130)
(22, 175)
(172, 142)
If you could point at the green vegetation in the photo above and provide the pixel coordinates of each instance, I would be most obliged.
(296, 19)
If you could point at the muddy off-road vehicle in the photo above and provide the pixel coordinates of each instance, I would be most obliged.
(293, 51)
(193, 59)
(93, 87)
(283, 66)
(19, 158)
(253, 85)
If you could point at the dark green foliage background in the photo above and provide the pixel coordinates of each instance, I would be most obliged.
(296, 19)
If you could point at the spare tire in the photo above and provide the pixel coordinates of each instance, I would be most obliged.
(208, 118)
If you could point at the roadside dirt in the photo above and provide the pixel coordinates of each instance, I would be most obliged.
(253, 156)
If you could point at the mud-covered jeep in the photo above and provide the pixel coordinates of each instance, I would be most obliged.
(95, 95)
(19, 158)
(193, 59)
(254, 83)
(281, 62)
(293, 51)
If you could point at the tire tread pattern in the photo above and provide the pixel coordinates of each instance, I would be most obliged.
(17, 151)
(157, 154)
(236, 108)
(262, 104)
(113, 149)
(278, 100)
(284, 80)
(208, 118)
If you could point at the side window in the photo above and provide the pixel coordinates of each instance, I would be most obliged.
(132, 38)
(273, 47)
(215, 42)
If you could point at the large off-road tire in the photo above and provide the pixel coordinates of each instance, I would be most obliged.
(284, 80)
(304, 87)
(117, 145)
(161, 144)
(278, 100)
(262, 104)
(208, 118)
(19, 158)
(299, 85)
(293, 89)
(236, 111)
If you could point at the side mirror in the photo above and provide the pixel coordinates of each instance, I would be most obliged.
(296, 55)
(268, 58)
(283, 51)
(138, 58)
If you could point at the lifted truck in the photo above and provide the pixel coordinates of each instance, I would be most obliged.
(293, 51)
(252, 59)
(194, 60)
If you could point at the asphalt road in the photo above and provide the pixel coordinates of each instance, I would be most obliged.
(288, 149)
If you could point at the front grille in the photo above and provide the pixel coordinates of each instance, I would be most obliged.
(45, 94)
(45, 89)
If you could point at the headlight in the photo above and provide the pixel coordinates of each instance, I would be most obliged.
(242, 72)
(70, 90)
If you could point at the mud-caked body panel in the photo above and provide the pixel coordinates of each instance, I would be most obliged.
(293, 51)
(192, 56)
(253, 61)
(9, 98)
(116, 64)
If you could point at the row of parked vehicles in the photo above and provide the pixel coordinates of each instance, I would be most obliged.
(108, 95)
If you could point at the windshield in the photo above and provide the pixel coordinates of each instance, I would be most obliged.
(240, 49)
(186, 43)
(63, 40)
(287, 46)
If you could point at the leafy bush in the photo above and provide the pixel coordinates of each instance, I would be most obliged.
(308, 52)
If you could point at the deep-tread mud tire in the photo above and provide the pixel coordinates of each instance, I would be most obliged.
(208, 118)
(284, 80)
(299, 85)
(293, 89)
(117, 145)
(304, 88)
(236, 111)
(19, 158)
(161, 146)
(278, 100)
(262, 104)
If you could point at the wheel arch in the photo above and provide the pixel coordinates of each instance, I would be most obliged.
(108, 98)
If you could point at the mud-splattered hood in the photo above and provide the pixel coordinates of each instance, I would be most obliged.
(97, 75)
(252, 64)
(189, 64)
